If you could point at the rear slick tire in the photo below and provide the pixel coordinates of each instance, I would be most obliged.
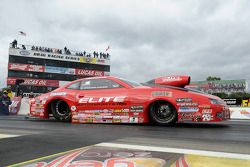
(61, 111)
(163, 113)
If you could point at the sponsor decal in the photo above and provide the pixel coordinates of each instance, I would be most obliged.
(187, 104)
(136, 108)
(136, 113)
(171, 78)
(116, 99)
(207, 111)
(116, 121)
(197, 117)
(125, 110)
(179, 100)
(125, 121)
(162, 93)
(186, 116)
(207, 117)
(188, 109)
(133, 120)
(204, 106)
(73, 108)
(24, 52)
(117, 110)
(141, 120)
(58, 93)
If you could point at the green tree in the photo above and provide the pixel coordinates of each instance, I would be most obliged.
(211, 78)
(221, 95)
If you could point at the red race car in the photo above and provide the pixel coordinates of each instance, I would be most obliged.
(163, 101)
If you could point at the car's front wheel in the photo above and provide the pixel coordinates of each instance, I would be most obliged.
(61, 110)
(163, 113)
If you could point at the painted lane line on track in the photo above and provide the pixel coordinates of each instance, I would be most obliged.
(2, 136)
(177, 150)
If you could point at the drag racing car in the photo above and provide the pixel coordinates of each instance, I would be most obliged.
(163, 100)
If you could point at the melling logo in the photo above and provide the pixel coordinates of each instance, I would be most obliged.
(24, 52)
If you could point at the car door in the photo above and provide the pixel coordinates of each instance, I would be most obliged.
(102, 100)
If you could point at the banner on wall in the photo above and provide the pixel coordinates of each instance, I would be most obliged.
(240, 112)
(89, 72)
(15, 105)
(34, 82)
(60, 70)
(25, 67)
(56, 56)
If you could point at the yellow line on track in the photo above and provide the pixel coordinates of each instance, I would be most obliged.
(49, 156)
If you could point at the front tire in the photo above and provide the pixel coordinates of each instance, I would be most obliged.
(163, 113)
(61, 110)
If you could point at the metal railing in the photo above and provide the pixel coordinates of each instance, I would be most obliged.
(99, 55)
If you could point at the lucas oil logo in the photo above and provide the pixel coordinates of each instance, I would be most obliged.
(116, 99)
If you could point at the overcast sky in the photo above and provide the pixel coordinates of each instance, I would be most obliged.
(147, 38)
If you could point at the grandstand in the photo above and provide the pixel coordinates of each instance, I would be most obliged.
(41, 69)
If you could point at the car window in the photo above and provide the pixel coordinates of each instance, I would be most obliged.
(98, 84)
(74, 86)
(131, 83)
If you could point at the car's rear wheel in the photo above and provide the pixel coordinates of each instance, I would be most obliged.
(61, 110)
(163, 113)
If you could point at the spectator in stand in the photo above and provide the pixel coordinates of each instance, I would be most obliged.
(33, 47)
(40, 48)
(23, 46)
(68, 52)
(107, 56)
(36, 48)
(65, 50)
(104, 55)
(14, 44)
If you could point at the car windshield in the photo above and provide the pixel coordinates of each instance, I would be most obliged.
(131, 83)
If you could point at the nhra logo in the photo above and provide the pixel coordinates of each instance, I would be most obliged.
(24, 52)
(117, 99)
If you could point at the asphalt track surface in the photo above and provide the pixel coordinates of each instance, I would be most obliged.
(39, 138)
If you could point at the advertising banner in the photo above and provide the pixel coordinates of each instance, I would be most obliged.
(56, 56)
(89, 72)
(25, 67)
(60, 70)
(240, 112)
(15, 105)
(233, 102)
(220, 86)
(34, 82)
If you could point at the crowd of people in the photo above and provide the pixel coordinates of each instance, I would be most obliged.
(100, 55)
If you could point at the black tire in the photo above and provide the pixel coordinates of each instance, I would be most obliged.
(163, 113)
(61, 111)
